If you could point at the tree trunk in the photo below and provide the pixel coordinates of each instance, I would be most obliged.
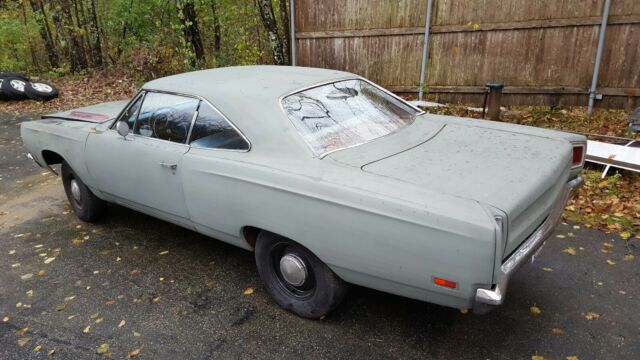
(94, 31)
(45, 33)
(77, 56)
(269, 23)
(217, 36)
(125, 28)
(286, 34)
(189, 24)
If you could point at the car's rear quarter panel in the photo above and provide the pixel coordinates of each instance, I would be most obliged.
(368, 239)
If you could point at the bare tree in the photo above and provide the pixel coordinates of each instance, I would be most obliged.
(94, 32)
(189, 22)
(45, 32)
(269, 22)
(217, 36)
(286, 34)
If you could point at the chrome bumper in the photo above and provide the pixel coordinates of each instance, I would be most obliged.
(496, 295)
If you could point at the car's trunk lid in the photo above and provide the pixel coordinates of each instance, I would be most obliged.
(518, 173)
(94, 114)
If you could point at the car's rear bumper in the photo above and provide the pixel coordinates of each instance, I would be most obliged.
(486, 299)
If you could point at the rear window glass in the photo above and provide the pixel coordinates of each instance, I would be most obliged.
(346, 113)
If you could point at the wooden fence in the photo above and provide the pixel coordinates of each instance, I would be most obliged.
(543, 50)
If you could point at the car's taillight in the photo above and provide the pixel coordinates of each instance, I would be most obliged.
(577, 159)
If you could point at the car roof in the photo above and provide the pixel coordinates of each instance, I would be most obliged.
(256, 81)
(249, 96)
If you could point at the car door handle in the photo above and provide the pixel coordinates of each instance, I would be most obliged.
(169, 166)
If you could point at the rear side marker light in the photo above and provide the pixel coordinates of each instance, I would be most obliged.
(445, 283)
(577, 159)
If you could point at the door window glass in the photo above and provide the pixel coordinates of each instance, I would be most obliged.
(130, 115)
(211, 130)
(166, 117)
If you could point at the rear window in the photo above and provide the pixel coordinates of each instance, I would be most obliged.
(346, 113)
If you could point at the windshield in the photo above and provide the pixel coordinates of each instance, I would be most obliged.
(345, 113)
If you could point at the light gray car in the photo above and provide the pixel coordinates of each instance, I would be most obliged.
(329, 178)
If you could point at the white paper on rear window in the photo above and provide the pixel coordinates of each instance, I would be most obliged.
(344, 114)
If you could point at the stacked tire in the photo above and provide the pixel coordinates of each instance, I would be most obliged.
(15, 86)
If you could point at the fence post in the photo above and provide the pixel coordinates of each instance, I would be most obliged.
(425, 51)
(596, 67)
(292, 24)
(494, 100)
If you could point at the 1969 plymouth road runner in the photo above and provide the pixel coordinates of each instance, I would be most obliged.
(327, 177)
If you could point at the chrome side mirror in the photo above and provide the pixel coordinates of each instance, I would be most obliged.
(122, 128)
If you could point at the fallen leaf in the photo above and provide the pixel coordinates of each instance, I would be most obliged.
(49, 260)
(535, 310)
(23, 341)
(576, 227)
(625, 235)
(607, 244)
(622, 292)
(12, 252)
(570, 251)
(99, 320)
(164, 252)
(51, 352)
(136, 334)
(134, 353)
(560, 236)
(248, 291)
(87, 329)
(95, 316)
(611, 262)
(628, 257)
(41, 273)
(573, 357)
(76, 241)
(37, 348)
(591, 315)
(102, 349)
(15, 265)
(26, 276)
(557, 331)
(29, 293)
(604, 251)
(61, 307)
(122, 322)
(537, 357)
(156, 299)
(5, 319)
(547, 269)
(71, 317)
(69, 298)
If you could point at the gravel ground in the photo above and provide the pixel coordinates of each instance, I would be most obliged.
(139, 284)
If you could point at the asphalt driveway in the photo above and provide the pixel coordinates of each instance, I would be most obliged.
(134, 285)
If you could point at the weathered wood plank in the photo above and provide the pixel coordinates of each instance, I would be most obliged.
(439, 29)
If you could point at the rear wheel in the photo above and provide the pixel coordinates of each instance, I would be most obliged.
(85, 204)
(295, 278)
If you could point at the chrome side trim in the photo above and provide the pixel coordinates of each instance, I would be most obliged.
(496, 295)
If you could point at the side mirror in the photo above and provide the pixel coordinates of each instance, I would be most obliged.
(122, 128)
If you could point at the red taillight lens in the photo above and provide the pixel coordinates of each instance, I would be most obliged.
(445, 283)
(578, 155)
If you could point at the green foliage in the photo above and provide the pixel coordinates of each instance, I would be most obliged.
(144, 35)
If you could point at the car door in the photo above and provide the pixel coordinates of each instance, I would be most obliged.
(144, 169)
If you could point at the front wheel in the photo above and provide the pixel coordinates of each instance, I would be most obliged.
(85, 204)
(295, 278)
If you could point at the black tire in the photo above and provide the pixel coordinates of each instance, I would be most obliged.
(86, 206)
(2, 95)
(6, 74)
(13, 88)
(322, 290)
(40, 90)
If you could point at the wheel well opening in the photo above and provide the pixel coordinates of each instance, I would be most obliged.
(250, 234)
(51, 157)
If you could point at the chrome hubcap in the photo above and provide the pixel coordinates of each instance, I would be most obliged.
(18, 84)
(293, 269)
(42, 87)
(75, 191)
